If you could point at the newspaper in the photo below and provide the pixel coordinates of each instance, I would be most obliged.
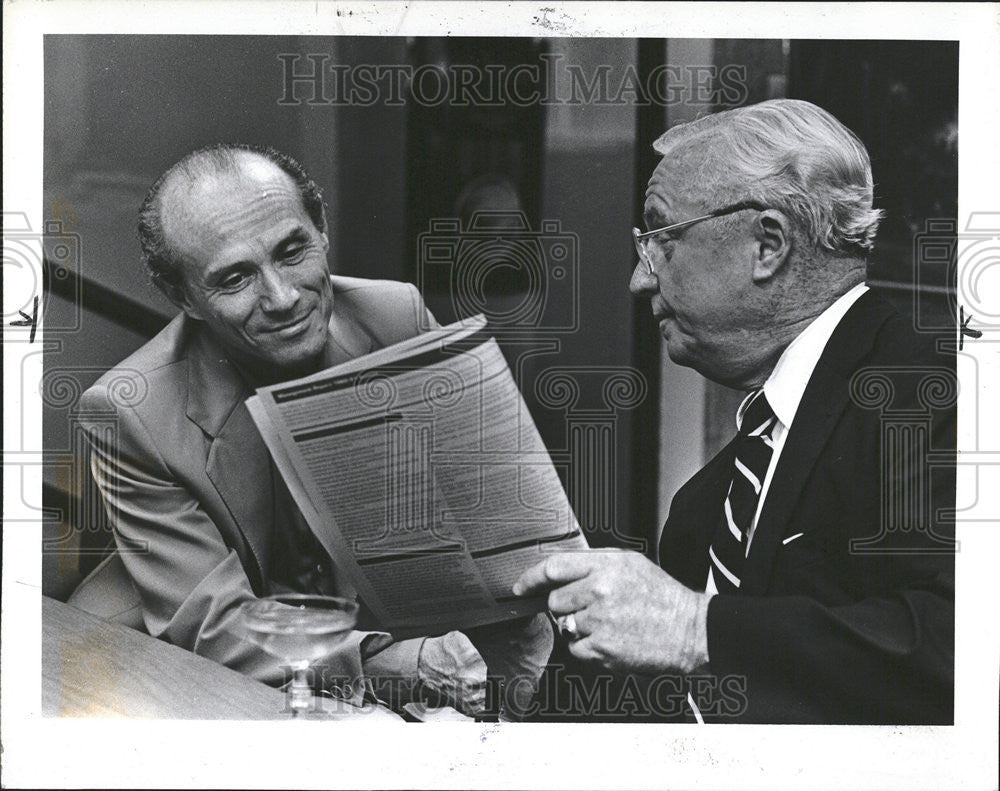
(421, 472)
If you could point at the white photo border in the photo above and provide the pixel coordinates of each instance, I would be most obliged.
(110, 753)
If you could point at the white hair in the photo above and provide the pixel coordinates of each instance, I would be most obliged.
(789, 155)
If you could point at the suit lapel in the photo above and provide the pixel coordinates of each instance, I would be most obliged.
(238, 462)
(823, 402)
(694, 512)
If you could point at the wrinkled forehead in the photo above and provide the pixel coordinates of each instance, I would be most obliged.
(674, 191)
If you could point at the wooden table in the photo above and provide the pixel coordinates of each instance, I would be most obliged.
(94, 668)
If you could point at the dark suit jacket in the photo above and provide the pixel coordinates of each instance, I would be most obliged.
(187, 478)
(850, 622)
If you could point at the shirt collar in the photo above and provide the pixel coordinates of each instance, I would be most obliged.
(787, 382)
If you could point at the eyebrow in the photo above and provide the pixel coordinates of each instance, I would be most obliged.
(654, 218)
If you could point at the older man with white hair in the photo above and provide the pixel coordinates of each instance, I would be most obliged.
(808, 569)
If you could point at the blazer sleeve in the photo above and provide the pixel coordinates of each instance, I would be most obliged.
(884, 655)
(190, 583)
(423, 318)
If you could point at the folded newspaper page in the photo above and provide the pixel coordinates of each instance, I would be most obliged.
(421, 472)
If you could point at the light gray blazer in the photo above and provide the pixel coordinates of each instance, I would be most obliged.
(188, 487)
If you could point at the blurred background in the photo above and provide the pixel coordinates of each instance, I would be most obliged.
(514, 198)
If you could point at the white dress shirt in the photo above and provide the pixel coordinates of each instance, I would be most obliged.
(785, 386)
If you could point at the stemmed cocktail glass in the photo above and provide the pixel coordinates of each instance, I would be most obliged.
(299, 629)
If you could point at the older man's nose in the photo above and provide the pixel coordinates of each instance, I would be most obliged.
(279, 294)
(643, 281)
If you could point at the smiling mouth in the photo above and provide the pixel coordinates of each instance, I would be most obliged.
(291, 325)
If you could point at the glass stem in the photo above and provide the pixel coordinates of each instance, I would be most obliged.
(301, 691)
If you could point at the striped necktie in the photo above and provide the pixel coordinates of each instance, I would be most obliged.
(730, 541)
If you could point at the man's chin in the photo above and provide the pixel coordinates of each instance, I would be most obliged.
(295, 351)
(291, 361)
(301, 356)
(676, 349)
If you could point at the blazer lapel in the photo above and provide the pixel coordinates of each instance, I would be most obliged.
(823, 402)
(348, 339)
(238, 462)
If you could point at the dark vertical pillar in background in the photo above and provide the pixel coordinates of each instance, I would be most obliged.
(371, 162)
(463, 156)
(650, 122)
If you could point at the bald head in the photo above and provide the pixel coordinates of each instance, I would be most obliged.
(175, 201)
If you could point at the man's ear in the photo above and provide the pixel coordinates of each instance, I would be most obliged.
(178, 296)
(773, 244)
(324, 230)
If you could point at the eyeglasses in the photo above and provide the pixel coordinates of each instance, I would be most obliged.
(641, 239)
